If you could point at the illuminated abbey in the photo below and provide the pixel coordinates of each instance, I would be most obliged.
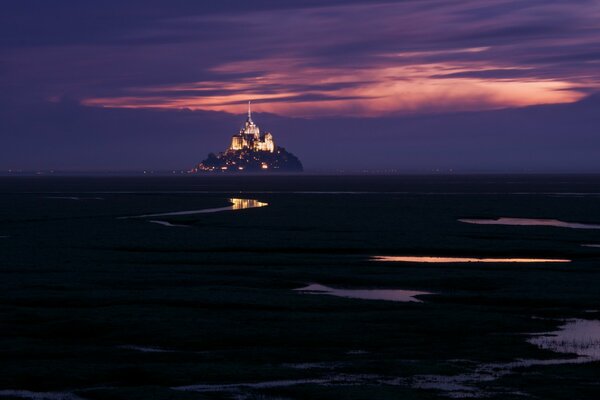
(250, 137)
(250, 151)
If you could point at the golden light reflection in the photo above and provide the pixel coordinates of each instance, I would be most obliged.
(236, 204)
(426, 259)
(241, 204)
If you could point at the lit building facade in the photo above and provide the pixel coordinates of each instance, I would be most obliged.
(249, 137)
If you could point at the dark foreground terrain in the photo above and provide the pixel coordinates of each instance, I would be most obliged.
(202, 306)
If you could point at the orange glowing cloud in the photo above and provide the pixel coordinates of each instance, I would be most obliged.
(290, 87)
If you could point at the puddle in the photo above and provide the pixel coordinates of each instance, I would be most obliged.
(426, 259)
(365, 294)
(356, 352)
(144, 349)
(315, 365)
(326, 381)
(577, 336)
(530, 222)
(167, 223)
(256, 385)
(236, 205)
(26, 394)
(466, 385)
(73, 198)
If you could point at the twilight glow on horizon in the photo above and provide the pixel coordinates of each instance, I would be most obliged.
(349, 58)
(376, 59)
(295, 59)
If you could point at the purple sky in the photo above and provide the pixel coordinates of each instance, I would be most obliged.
(413, 85)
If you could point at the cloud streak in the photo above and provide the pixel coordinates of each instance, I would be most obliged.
(306, 59)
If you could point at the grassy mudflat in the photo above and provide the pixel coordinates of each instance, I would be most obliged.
(95, 306)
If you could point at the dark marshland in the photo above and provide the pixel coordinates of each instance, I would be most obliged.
(296, 287)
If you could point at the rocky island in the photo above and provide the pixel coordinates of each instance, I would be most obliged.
(251, 151)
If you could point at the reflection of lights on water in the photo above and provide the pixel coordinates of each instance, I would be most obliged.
(466, 260)
(236, 204)
(241, 204)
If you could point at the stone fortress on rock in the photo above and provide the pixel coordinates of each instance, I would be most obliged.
(251, 151)
(250, 137)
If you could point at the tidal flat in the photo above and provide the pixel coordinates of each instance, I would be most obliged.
(96, 305)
